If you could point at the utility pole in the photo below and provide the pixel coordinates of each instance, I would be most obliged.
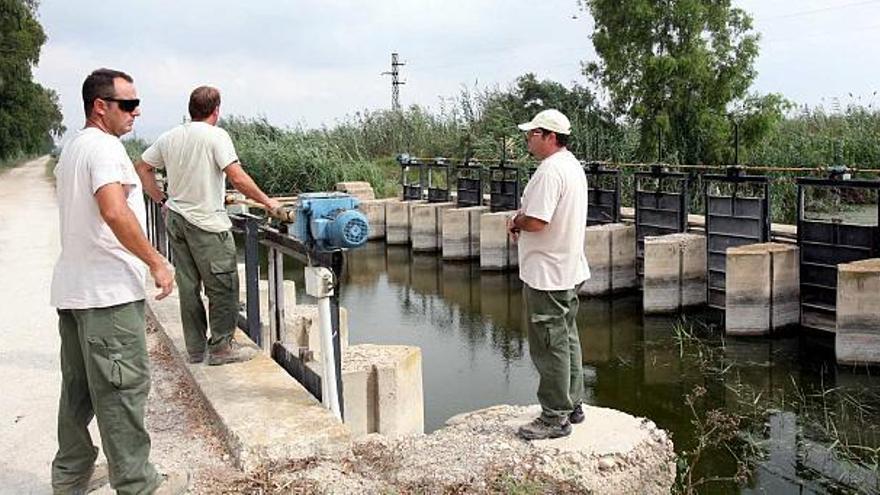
(395, 82)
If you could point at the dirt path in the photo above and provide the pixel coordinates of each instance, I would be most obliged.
(29, 364)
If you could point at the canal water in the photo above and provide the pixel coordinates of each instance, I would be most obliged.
(778, 411)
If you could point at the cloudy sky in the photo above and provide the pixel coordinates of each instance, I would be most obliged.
(313, 62)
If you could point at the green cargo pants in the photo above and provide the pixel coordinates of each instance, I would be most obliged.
(204, 258)
(105, 372)
(555, 348)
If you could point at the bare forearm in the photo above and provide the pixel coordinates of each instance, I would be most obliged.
(148, 180)
(127, 230)
(245, 185)
(527, 223)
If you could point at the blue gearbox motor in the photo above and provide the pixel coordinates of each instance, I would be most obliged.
(329, 221)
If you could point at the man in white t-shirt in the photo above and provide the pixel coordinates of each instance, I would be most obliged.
(98, 290)
(550, 227)
(198, 157)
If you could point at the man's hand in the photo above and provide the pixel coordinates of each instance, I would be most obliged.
(164, 279)
(273, 205)
(512, 229)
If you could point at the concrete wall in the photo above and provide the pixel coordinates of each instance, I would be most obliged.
(398, 221)
(427, 226)
(857, 340)
(360, 190)
(461, 232)
(762, 288)
(301, 329)
(611, 254)
(675, 272)
(374, 210)
(382, 389)
(497, 250)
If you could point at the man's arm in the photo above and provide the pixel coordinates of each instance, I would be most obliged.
(242, 182)
(123, 223)
(148, 179)
(520, 221)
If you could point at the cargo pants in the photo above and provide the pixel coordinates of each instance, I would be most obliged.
(105, 373)
(555, 349)
(204, 258)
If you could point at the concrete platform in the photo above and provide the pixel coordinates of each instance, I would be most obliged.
(762, 292)
(675, 272)
(461, 232)
(497, 250)
(611, 255)
(427, 226)
(398, 221)
(857, 340)
(265, 415)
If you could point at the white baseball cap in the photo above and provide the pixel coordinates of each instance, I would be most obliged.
(550, 119)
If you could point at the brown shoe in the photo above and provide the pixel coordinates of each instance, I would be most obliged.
(98, 477)
(176, 483)
(541, 429)
(232, 352)
(196, 357)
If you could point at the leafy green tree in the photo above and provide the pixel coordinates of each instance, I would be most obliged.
(678, 69)
(29, 113)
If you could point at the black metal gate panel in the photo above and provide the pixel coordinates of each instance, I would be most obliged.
(438, 192)
(504, 188)
(829, 239)
(737, 216)
(603, 194)
(469, 182)
(661, 200)
(413, 188)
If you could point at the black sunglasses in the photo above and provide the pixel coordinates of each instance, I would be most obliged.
(125, 105)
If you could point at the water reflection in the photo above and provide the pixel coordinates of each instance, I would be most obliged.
(469, 325)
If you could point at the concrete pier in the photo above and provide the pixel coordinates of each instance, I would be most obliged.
(360, 190)
(857, 340)
(427, 226)
(374, 210)
(398, 221)
(461, 232)
(762, 292)
(611, 254)
(675, 272)
(497, 250)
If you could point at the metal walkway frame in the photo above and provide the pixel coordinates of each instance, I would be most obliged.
(659, 211)
(823, 244)
(732, 220)
(603, 194)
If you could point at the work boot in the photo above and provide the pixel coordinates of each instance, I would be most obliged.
(176, 483)
(541, 429)
(577, 415)
(98, 477)
(196, 357)
(231, 352)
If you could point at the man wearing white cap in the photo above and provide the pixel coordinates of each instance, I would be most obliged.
(550, 227)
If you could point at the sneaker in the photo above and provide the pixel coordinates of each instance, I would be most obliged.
(232, 352)
(540, 429)
(98, 477)
(577, 415)
(176, 483)
(196, 357)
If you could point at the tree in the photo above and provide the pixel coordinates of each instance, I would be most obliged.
(677, 69)
(29, 113)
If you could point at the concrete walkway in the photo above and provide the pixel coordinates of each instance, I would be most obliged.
(29, 364)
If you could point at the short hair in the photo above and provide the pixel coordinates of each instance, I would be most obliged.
(203, 101)
(561, 139)
(100, 84)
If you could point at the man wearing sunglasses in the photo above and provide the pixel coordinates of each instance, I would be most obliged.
(198, 156)
(98, 289)
(550, 227)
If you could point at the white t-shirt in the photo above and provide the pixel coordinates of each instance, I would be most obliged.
(194, 156)
(94, 270)
(553, 258)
